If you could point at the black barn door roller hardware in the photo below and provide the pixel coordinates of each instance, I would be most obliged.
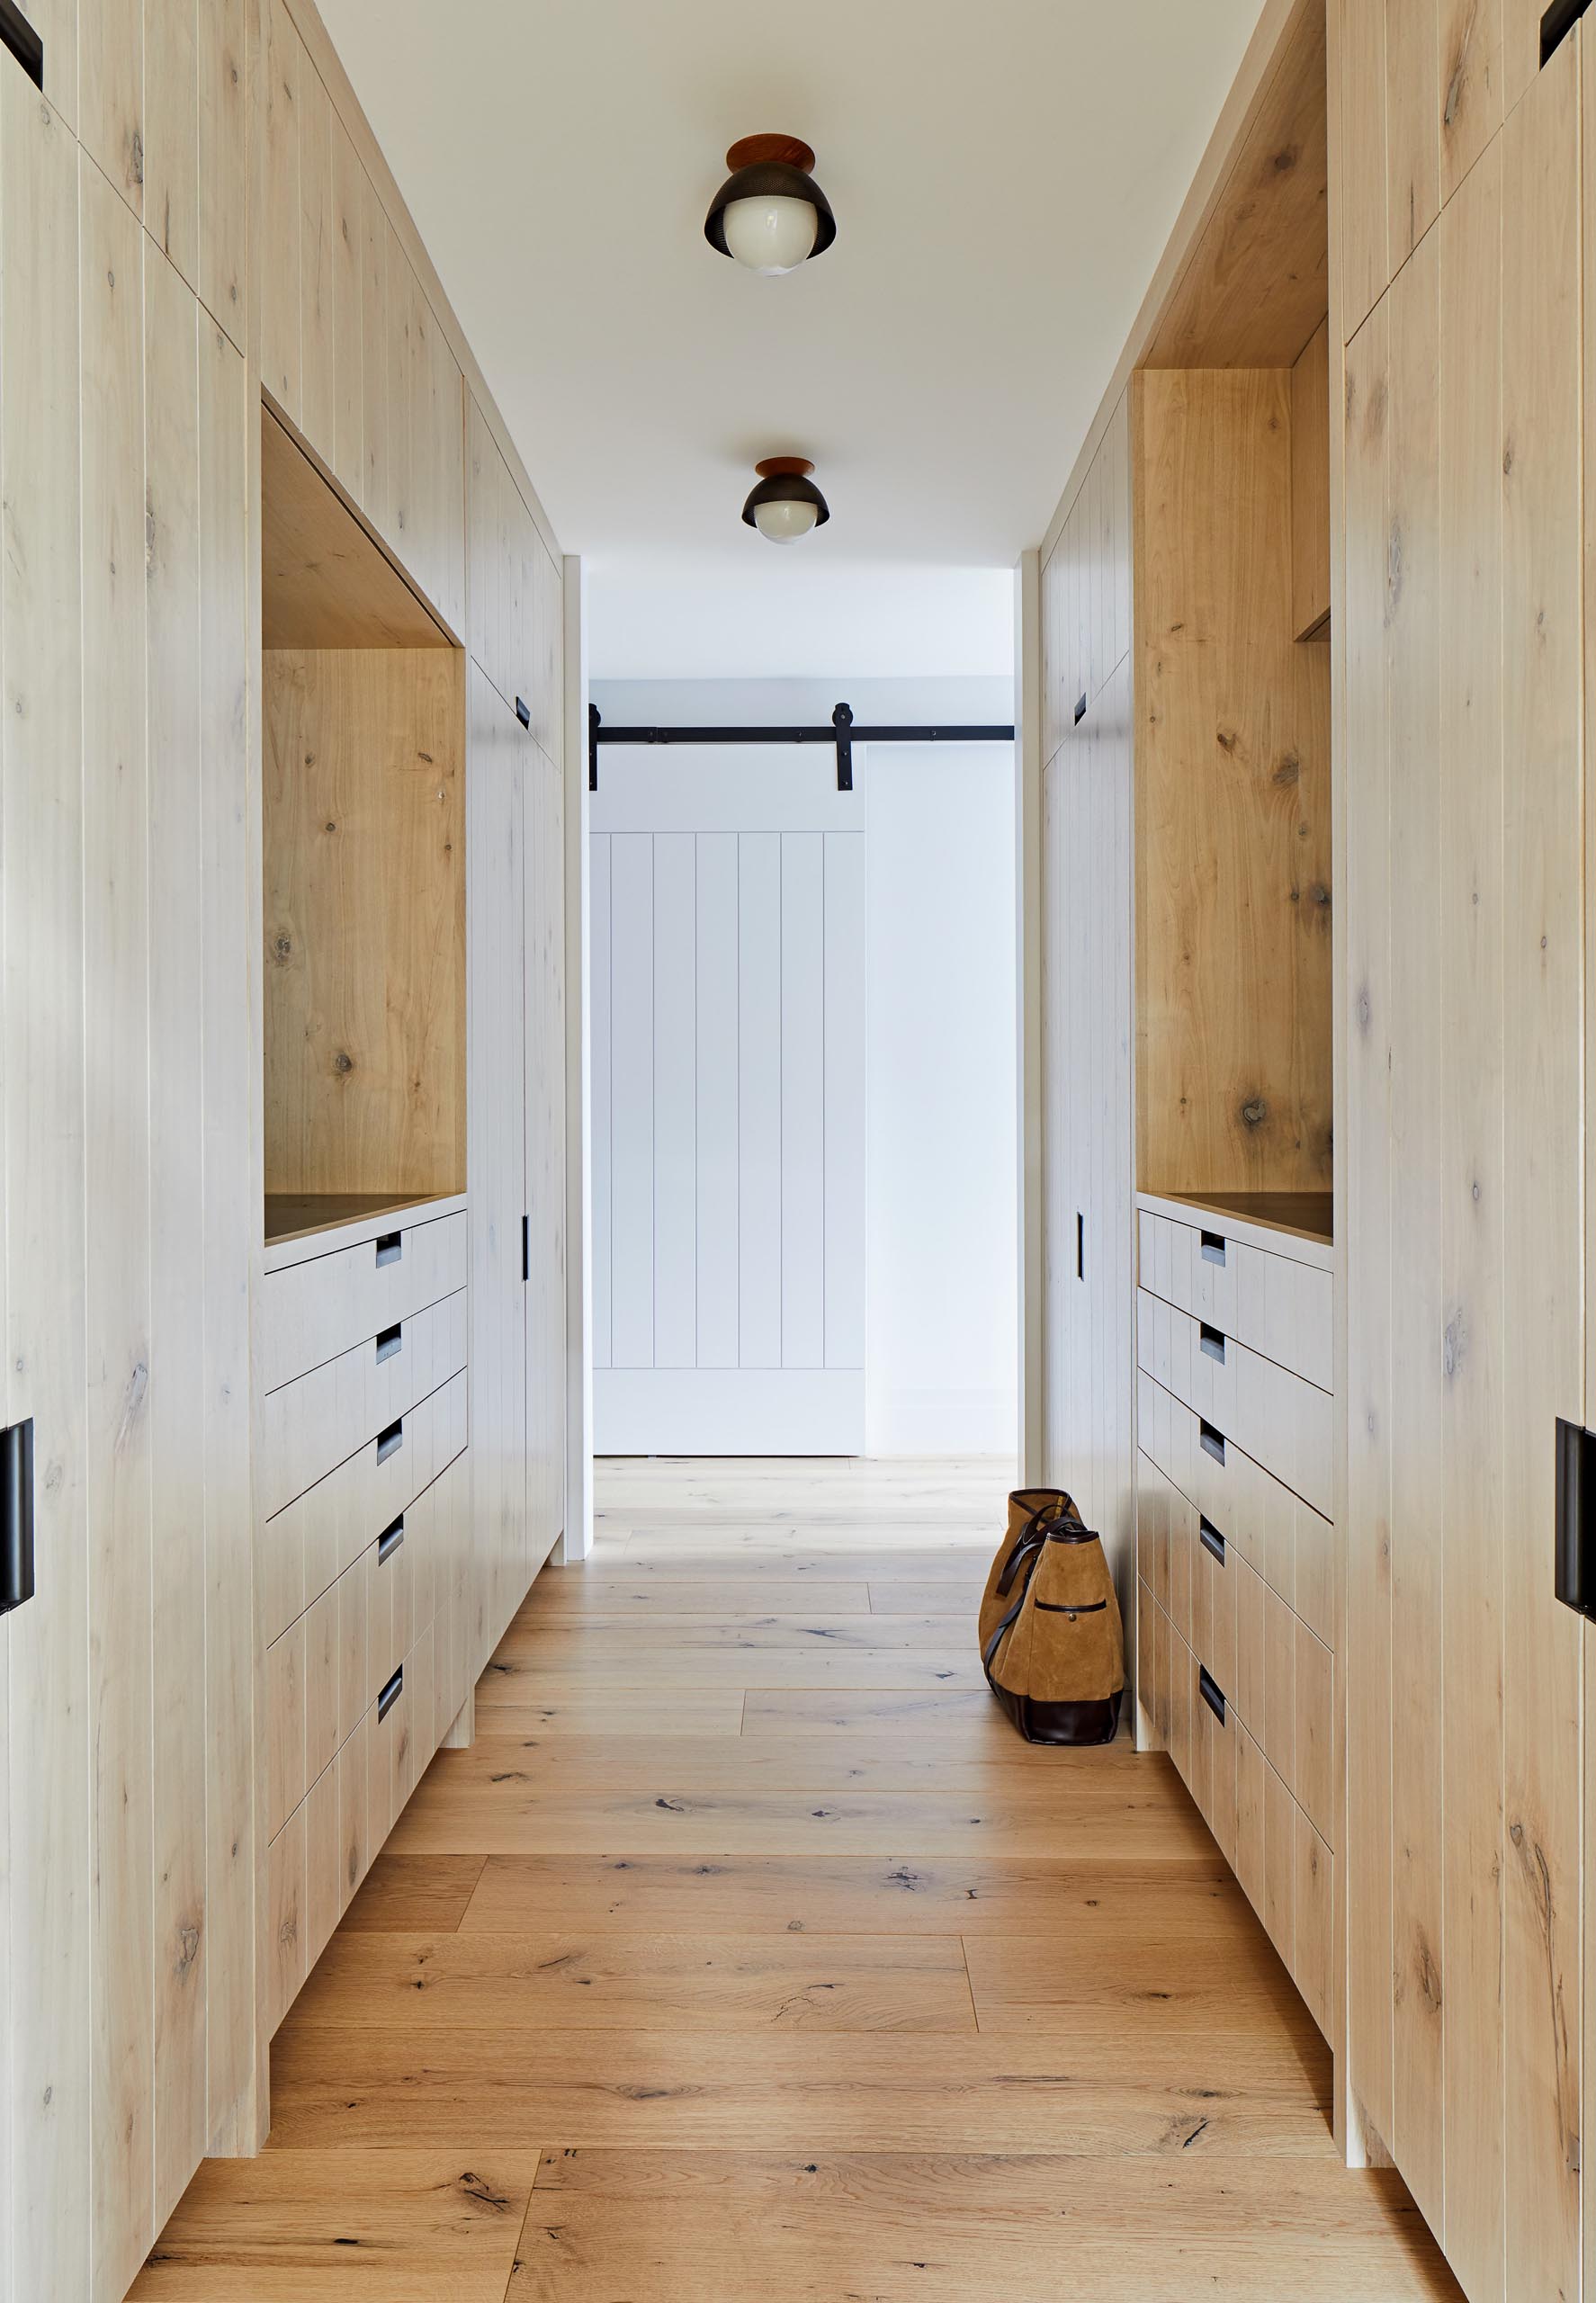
(842, 734)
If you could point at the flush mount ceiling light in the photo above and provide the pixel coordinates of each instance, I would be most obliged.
(770, 214)
(786, 504)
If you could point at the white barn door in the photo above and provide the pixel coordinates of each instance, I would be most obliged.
(727, 985)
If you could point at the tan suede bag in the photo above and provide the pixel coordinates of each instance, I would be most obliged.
(1052, 1642)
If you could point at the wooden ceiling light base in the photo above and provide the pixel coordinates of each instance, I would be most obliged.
(766, 151)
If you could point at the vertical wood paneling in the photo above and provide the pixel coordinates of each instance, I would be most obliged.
(759, 1093)
(1520, 48)
(803, 1099)
(496, 1151)
(283, 61)
(1412, 639)
(1366, 1161)
(599, 998)
(172, 131)
(347, 177)
(1412, 125)
(1472, 1034)
(177, 964)
(715, 1279)
(317, 388)
(223, 137)
(116, 1056)
(545, 1146)
(394, 510)
(373, 273)
(1469, 77)
(844, 939)
(47, 1965)
(111, 92)
(675, 1056)
(229, 1219)
(1358, 61)
(1542, 647)
(631, 1099)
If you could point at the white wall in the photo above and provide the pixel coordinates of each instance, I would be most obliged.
(941, 1350)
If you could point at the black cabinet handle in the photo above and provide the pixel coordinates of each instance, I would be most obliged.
(1574, 1572)
(522, 713)
(16, 1515)
(1208, 1688)
(392, 1440)
(1080, 709)
(1213, 1247)
(391, 1693)
(1212, 1342)
(25, 44)
(1213, 1442)
(1211, 1540)
(526, 1247)
(1080, 1245)
(390, 1247)
(390, 1340)
(390, 1540)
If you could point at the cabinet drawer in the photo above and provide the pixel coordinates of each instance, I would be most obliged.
(1214, 1758)
(1286, 1425)
(315, 1311)
(1288, 1542)
(316, 1422)
(1191, 1359)
(1152, 1662)
(1213, 1605)
(306, 1546)
(1287, 1311)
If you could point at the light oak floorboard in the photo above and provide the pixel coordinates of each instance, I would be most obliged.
(896, 1760)
(832, 1894)
(344, 2226)
(562, 1598)
(337, 2085)
(452, 1814)
(966, 1717)
(411, 1894)
(603, 1982)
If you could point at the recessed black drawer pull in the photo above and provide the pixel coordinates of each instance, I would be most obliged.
(391, 1693)
(16, 1515)
(522, 713)
(1058, 1608)
(1555, 24)
(1213, 1247)
(390, 1340)
(1208, 1688)
(1211, 1540)
(24, 43)
(1213, 1442)
(1080, 711)
(390, 1441)
(390, 1247)
(390, 1540)
(1212, 1342)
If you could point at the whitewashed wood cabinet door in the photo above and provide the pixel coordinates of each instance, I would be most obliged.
(728, 1126)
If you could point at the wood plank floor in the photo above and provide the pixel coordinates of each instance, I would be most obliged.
(748, 1955)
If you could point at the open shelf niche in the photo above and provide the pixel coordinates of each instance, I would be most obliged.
(1230, 421)
(363, 863)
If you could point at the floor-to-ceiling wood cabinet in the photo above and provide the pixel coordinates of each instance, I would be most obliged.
(195, 221)
(128, 1860)
(1461, 653)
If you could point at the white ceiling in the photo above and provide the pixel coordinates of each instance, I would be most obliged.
(1004, 172)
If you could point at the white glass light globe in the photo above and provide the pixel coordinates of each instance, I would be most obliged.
(771, 233)
(784, 520)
